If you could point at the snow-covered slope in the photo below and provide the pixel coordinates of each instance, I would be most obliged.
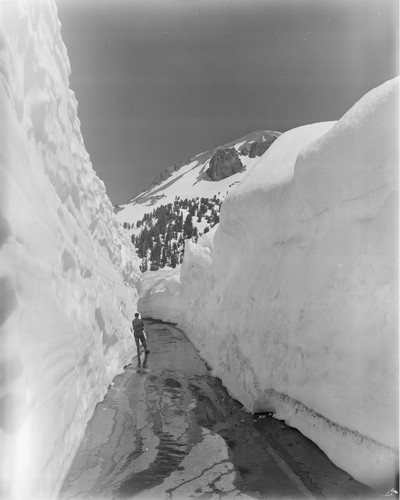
(67, 273)
(292, 299)
(189, 180)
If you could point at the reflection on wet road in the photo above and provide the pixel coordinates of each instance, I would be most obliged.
(167, 429)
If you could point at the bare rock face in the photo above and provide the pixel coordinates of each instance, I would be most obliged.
(262, 139)
(224, 163)
(259, 148)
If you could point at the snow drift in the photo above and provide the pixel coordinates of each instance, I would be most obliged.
(67, 274)
(293, 298)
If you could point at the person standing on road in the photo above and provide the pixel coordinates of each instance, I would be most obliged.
(138, 332)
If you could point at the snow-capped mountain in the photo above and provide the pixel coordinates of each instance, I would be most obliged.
(184, 200)
(191, 180)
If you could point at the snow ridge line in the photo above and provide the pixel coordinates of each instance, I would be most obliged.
(319, 420)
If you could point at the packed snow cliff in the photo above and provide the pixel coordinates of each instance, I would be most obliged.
(292, 298)
(67, 272)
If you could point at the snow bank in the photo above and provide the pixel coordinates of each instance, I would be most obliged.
(161, 295)
(294, 302)
(67, 274)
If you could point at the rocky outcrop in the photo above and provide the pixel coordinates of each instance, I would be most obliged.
(259, 136)
(224, 163)
(259, 148)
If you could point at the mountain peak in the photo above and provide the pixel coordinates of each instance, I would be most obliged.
(189, 178)
(155, 218)
(258, 136)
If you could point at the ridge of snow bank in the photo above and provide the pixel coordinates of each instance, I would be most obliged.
(294, 301)
(67, 273)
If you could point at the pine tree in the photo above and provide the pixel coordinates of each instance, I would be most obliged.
(162, 224)
(156, 255)
(170, 232)
(144, 265)
(163, 259)
(174, 260)
(179, 223)
(188, 227)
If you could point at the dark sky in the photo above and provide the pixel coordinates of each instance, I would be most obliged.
(158, 81)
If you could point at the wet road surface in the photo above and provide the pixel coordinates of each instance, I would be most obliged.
(168, 430)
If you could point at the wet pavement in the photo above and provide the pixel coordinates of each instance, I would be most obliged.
(167, 429)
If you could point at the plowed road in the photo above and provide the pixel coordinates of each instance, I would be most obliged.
(168, 430)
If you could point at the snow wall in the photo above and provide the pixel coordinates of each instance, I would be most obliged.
(293, 299)
(67, 274)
